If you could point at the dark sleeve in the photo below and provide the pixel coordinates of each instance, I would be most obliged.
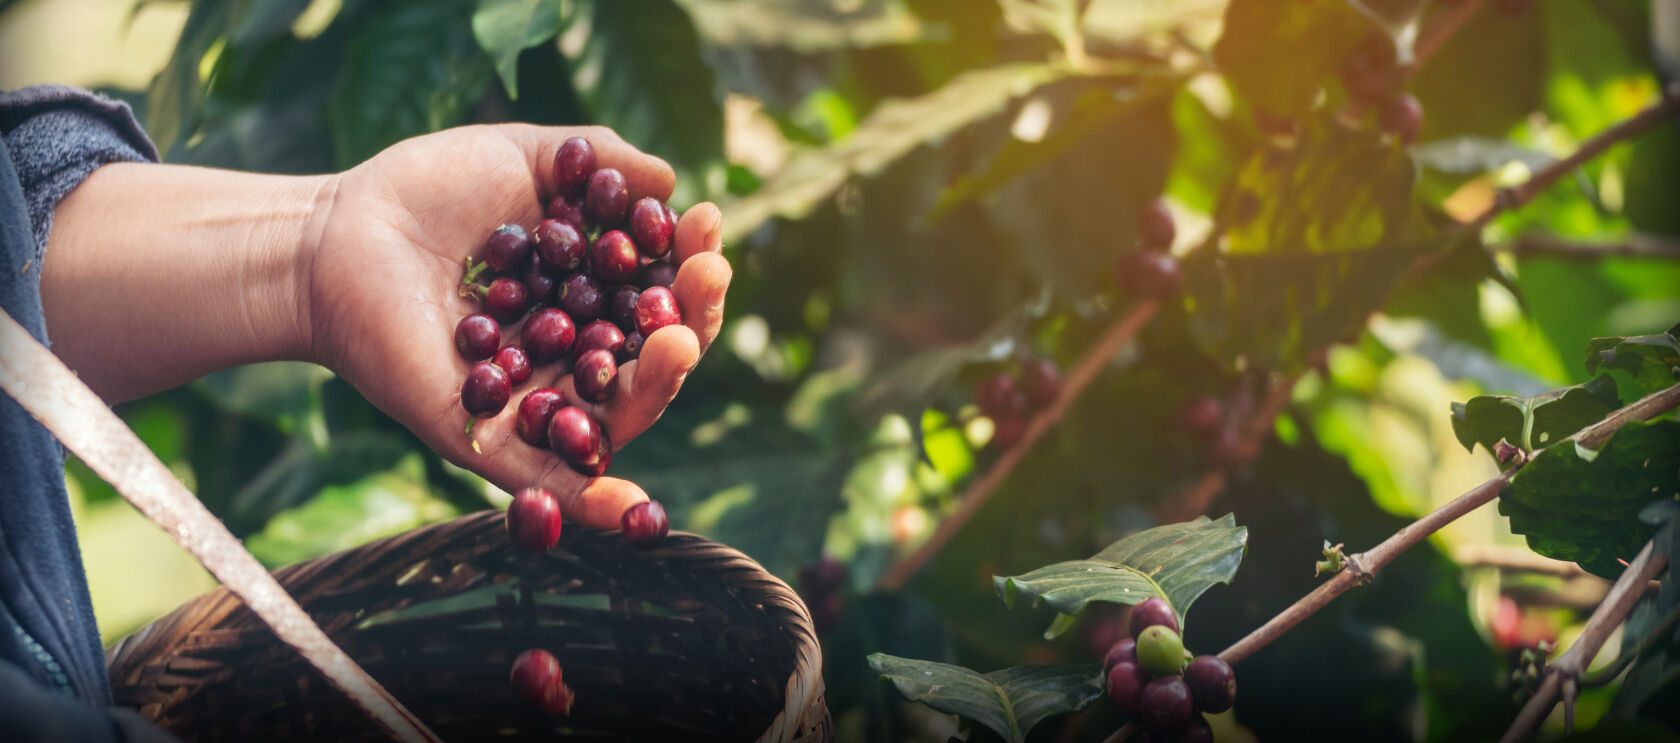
(57, 136)
(30, 713)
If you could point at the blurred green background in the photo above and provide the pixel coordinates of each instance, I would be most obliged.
(915, 192)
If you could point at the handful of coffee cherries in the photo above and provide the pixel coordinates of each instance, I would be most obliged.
(590, 283)
(1149, 680)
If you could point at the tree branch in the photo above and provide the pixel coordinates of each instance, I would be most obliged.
(1636, 245)
(1563, 677)
(1084, 372)
(44, 386)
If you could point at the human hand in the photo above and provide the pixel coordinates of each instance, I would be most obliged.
(383, 297)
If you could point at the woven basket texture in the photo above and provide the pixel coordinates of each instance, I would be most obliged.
(689, 641)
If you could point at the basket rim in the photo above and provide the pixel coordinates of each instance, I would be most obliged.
(804, 684)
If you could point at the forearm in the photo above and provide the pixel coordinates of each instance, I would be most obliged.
(157, 274)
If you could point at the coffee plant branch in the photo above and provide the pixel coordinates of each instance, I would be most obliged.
(1563, 675)
(1362, 568)
(1634, 246)
(44, 386)
(1084, 372)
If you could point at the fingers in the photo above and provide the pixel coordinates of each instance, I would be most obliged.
(601, 503)
(646, 174)
(700, 230)
(702, 282)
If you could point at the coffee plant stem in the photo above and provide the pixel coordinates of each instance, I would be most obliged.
(1363, 567)
(1512, 197)
(1084, 372)
(44, 386)
(1635, 246)
(1563, 675)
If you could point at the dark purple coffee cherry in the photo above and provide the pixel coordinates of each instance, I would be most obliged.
(613, 258)
(1212, 683)
(581, 297)
(561, 245)
(621, 308)
(573, 164)
(651, 227)
(533, 520)
(538, 283)
(513, 360)
(507, 300)
(1000, 397)
(599, 334)
(580, 441)
(1041, 381)
(1402, 116)
(1150, 612)
(1370, 73)
(655, 309)
(1150, 273)
(486, 390)
(1164, 705)
(535, 410)
(547, 336)
(508, 248)
(1155, 226)
(1197, 732)
(1202, 416)
(645, 525)
(568, 209)
(657, 273)
(595, 375)
(632, 348)
(1125, 683)
(1123, 651)
(476, 337)
(606, 198)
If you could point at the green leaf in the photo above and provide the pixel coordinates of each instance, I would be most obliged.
(1652, 360)
(1177, 562)
(637, 67)
(279, 391)
(892, 130)
(805, 27)
(341, 517)
(173, 101)
(1009, 701)
(1583, 507)
(1278, 55)
(412, 69)
(1314, 238)
(504, 28)
(1533, 422)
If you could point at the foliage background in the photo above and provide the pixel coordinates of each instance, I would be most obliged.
(914, 189)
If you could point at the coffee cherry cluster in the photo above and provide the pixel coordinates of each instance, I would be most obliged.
(1372, 76)
(536, 681)
(1149, 680)
(590, 283)
(1152, 271)
(1010, 396)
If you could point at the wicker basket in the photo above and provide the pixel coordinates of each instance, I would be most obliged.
(692, 641)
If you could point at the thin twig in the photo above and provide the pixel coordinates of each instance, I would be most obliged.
(44, 386)
(1636, 245)
(1563, 676)
(1194, 499)
(1436, 34)
(1084, 372)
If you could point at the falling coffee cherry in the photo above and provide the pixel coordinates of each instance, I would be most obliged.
(1041, 381)
(645, 525)
(536, 680)
(1149, 273)
(1402, 116)
(533, 520)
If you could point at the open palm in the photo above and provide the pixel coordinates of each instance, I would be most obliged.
(384, 297)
